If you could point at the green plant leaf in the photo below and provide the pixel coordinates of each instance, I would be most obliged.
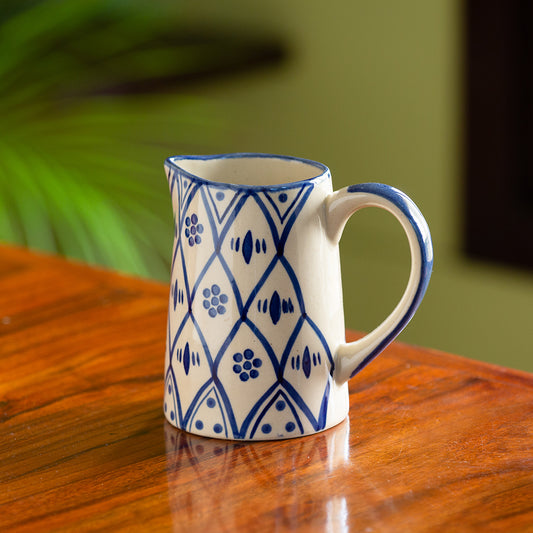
(92, 100)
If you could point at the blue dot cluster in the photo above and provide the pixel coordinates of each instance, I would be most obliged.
(246, 365)
(193, 230)
(214, 300)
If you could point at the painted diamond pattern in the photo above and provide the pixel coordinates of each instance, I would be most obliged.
(213, 305)
(196, 251)
(301, 362)
(189, 366)
(276, 306)
(252, 248)
(209, 346)
(249, 368)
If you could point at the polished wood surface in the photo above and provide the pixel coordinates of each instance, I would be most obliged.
(434, 442)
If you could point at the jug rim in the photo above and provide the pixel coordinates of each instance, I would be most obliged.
(172, 162)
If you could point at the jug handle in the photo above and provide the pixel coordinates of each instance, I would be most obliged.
(351, 357)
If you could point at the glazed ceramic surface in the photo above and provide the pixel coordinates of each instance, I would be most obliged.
(255, 338)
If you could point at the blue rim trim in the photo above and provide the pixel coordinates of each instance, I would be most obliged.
(173, 163)
(419, 224)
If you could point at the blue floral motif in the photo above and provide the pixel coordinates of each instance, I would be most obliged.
(193, 230)
(214, 301)
(246, 365)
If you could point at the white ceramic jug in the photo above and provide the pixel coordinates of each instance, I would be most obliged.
(256, 338)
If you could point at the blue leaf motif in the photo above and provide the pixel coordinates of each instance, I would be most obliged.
(275, 307)
(306, 362)
(247, 247)
(186, 359)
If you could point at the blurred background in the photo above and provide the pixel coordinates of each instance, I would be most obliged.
(94, 95)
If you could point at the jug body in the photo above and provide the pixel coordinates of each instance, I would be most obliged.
(255, 308)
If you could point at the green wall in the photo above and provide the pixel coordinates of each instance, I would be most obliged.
(373, 90)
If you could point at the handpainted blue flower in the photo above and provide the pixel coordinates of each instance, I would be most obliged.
(193, 230)
(246, 365)
(214, 301)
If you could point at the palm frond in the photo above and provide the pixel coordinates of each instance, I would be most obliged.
(91, 102)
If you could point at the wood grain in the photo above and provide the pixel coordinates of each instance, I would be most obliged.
(434, 442)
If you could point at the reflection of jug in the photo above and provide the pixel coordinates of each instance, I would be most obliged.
(210, 481)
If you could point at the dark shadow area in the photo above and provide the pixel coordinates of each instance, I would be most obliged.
(499, 131)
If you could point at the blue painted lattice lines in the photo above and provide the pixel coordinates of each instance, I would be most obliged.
(205, 297)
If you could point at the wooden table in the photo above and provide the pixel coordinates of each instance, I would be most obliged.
(434, 442)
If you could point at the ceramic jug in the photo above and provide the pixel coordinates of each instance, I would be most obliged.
(256, 343)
